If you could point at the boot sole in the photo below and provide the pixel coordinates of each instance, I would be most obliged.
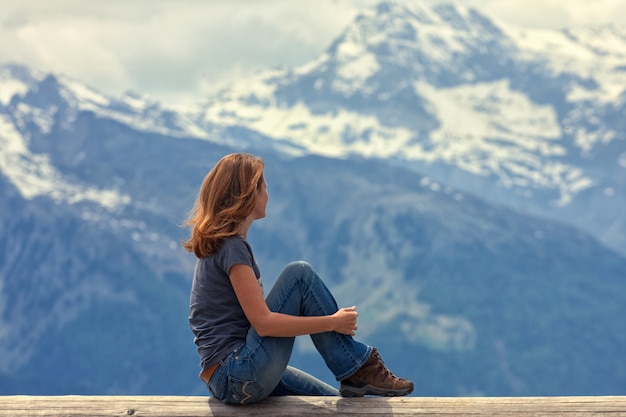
(348, 391)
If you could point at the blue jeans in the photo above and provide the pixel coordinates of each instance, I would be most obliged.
(259, 367)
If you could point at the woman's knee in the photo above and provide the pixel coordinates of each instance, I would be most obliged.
(298, 270)
(299, 266)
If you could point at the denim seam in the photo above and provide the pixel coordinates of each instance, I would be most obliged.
(358, 366)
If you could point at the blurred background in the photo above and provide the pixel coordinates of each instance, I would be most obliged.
(455, 169)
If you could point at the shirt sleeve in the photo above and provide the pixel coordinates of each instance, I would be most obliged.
(234, 251)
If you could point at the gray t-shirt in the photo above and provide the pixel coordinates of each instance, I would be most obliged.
(215, 316)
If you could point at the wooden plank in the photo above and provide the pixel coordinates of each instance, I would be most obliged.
(178, 406)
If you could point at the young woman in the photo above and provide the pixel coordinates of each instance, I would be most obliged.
(244, 340)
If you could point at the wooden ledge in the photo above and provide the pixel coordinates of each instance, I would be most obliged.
(175, 406)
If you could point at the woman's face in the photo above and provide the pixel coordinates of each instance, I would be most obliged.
(261, 202)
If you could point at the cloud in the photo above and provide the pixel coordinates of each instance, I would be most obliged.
(555, 14)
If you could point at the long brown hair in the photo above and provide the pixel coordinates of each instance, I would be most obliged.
(227, 196)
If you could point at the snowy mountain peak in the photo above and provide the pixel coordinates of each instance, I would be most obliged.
(39, 89)
(446, 85)
(34, 104)
(407, 13)
(35, 99)
(428, 43)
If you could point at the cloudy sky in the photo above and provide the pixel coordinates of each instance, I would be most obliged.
(177, 51)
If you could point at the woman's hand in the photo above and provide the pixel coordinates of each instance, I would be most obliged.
(345, 321)
(267, 323)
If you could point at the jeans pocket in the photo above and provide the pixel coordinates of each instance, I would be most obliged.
(243, 392)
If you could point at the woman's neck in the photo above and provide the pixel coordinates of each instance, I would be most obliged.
(245, 226)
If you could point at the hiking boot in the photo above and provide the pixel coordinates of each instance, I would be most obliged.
(373, 378)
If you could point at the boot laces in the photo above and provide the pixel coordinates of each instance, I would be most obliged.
(381, 364)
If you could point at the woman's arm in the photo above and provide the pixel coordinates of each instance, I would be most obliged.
(268, 323)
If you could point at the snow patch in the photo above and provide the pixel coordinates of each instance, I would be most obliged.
(355, 65)
(334, 134)
(10, 88)
(33, 174)
(43, 118)
(591, 57)
(75, 92)
(490, 129)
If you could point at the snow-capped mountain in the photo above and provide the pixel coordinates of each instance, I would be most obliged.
(46, 100)
(464, 296)
(531, 118)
